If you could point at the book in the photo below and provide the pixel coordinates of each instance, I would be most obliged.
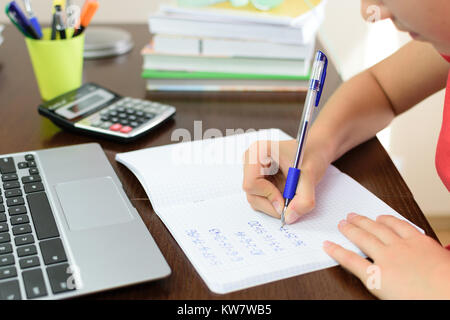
(189, 26)
(289, 13)
(156, 61)
(195, 188)
(233, 48)
(225, 85)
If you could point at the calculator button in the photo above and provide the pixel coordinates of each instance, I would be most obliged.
(134, 124)
(120, 109)
(113, 113)
(106, 125)
(126, 129)
(115, 127)
(114, 119)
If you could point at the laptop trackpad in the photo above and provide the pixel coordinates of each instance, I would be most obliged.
(92, 203)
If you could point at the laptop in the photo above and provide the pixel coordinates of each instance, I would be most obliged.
(67, 227)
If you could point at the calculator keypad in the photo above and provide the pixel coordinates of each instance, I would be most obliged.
(125, 115)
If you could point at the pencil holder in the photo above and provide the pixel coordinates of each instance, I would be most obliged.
(57, 64)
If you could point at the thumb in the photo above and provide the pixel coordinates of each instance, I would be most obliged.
(304, 199)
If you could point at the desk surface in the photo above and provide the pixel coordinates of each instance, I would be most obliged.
(22, 129)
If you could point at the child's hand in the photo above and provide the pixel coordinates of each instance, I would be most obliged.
(264, 185)
(407, 264)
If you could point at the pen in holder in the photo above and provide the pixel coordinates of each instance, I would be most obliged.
(57, 64)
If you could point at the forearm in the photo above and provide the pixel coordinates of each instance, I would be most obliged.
(367, 103)
(353, 114)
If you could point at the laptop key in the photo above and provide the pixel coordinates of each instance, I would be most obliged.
(24, 239)
(2, 207)
(7, 165)
(10, 290)
(5, 248)
(11, 185)
(2, 217)
(6, 260)
(15, 220)
(17, 210)
(32, 178)
(29, 157)
(58, 277)
(8, 272)
(53, 251)
(9, 177)
(18, 201)
(22, 165)
(26, 250)
(33, 171)
(5, 237)
(42, 215)
(34, 283)
(3, 227)
(33, 187)
(22, 229)
(32, 164)
(29, 262)
(13, 193)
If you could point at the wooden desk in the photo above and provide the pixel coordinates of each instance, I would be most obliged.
(22, 129)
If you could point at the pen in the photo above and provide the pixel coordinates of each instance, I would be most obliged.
(21, 20)
(33, 19)
(88, 11)
(318, 75)
(59, 22)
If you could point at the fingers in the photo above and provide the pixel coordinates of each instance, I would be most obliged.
(403, 228)
(363, 239)
(262, 194)
(263, 205)
(304, 200)
(348, 259)
(381, 231)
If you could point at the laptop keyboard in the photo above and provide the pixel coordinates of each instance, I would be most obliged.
(33, 262)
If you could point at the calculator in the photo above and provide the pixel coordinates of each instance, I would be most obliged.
(97, 111)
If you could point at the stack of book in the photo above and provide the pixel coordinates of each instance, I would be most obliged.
(226, 48)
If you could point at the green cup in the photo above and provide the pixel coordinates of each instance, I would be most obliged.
(57, 64)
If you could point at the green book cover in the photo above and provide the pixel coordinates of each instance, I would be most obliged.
(158, 74)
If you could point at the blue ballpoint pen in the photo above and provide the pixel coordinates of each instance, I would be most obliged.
(318, 75)
(33, 19)
(20, 18)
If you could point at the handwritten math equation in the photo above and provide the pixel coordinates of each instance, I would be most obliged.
(234, 247)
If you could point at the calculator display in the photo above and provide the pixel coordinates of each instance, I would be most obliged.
(86, 103)
(81, 102)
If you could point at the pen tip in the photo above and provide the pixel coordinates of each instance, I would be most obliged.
(283, 222)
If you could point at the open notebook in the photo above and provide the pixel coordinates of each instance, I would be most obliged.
(196, 190)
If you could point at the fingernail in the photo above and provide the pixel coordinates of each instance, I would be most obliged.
(327, 244)
(351, 215)
(292, 217)
(277, 206)
(343, 223)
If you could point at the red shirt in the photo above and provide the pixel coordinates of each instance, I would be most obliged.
(443, 147)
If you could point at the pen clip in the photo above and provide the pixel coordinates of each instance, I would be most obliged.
(322, 57)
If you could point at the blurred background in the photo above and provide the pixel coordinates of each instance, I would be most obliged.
(353, 45)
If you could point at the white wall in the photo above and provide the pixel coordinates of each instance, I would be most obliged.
(110, 11)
